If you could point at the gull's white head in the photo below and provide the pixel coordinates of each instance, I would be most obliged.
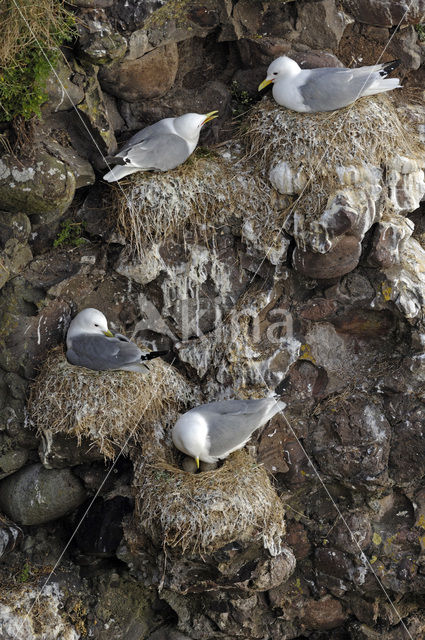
(189, 125)
(190, 435)
(282, 67)
(87, 321)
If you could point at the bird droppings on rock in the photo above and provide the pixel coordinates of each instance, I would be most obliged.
(339, 168)
(202, 194)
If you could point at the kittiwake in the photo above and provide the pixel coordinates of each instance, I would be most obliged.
(327, 88)
(161, 147)
(212, 431)
(92, 345)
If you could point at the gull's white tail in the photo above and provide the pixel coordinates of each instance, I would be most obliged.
(119, 172)
(382, 84)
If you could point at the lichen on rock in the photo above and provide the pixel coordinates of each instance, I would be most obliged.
(44, 186)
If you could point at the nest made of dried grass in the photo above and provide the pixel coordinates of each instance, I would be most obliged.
(107, 407)
(200, 194)
(369, 133)
(200, 513)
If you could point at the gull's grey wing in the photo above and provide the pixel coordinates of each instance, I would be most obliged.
(328, 89)
(231, 423)
(235, 407)
(119, 336)
(101, 353)
(162, 152)
(157, 128)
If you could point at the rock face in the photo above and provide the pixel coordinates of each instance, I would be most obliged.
(45, 186)
(286, 256)
(385, 13)
(149, 76)
(35, 495)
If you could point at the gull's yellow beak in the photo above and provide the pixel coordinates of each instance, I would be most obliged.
(210, 116)
(197, 462)
(109, 334)
(264, 84)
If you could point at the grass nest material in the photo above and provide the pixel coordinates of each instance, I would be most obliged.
(200, 513)
(369, 134)
(202, 193)
(107, 407)
(32, 33)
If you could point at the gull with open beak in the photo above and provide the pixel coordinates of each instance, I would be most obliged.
(161, 147)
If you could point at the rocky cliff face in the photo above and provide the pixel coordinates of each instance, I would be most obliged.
(286, 254)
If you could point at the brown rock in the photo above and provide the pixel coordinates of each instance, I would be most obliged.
(407, 456)
(98, 43)
(305, 383)
(315, 59)
(406, 48)
(318, 309)
(334, 563)
(365, 324)
(341, 259)
(360, 528)
(321, 24)
(271, 447)
(297, 538)
(94, 111)
(254, 51)
(386, 13)
(274, 571)
(150, 76)
(247, 18)
(385, 245)
(95, 4)
(323, 614)
(351, 442)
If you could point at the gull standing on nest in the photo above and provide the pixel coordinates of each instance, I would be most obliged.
(327, 88)
(212, 431)
(92, 345)
(161, 147)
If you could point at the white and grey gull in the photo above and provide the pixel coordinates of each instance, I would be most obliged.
(212, 431)
(327, 88)
(92, 345)
(160, 147)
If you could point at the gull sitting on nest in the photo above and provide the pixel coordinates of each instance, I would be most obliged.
(161, 147)
(212, 431)
(327, 88)
(92, 345)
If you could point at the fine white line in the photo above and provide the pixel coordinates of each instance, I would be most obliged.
(129, 437)
(40, 591)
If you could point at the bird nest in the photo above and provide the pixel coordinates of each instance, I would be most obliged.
(317, 146)
(110, 408)
(200, 194)
(200, 513)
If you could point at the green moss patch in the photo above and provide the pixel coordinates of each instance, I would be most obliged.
(31, 36)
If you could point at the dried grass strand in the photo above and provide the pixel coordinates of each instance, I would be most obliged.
(199, 513)
(107, 406)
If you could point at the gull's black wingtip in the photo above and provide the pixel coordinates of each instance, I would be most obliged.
(388, 67)
(154, 354)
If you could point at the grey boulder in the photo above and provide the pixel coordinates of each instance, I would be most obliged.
(34, 495)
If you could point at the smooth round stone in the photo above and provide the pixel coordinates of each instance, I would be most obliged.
(341, 259)
(34, 495)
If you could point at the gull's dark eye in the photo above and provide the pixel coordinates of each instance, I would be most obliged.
(275, 73)
(96, 325)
